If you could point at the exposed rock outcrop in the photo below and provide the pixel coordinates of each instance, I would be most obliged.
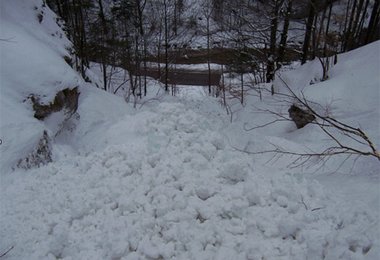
(41, 155)
(65, 99)
(300, 116)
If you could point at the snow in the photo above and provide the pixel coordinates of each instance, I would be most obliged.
(169, 178)
(167, 189)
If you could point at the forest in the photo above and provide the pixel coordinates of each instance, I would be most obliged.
(245, 35)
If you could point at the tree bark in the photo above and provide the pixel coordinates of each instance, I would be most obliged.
(349, 29)
(284, 34)
(359, 32)
(166, 47)
(208, 53)
(308, 32)
(272, 46)
(373, 22)
(103, 39)
(327, 30)
(352, 41)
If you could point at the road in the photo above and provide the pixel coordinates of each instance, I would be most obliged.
(186, 77)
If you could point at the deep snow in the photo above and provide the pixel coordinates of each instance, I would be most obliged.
(167, 180)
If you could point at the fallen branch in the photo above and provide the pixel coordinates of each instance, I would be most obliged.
(6, 252)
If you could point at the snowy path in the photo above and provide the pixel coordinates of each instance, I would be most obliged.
(174, 189)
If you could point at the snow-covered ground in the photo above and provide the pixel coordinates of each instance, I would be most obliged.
(168, 180)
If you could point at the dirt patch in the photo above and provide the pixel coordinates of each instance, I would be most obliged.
(186, 77)
(191, 56)
(224, 56)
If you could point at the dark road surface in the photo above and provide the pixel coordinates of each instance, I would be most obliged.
(186, 77)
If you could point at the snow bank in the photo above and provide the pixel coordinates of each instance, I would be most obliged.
(352, 91)
(350, 94)
(32, 51)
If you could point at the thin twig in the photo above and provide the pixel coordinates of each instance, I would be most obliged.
(6, 252)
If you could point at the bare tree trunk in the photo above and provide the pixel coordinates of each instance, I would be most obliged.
(104, 36)
(321, 27)
(272, 47)
(327, 30)
(137, 66)
(373, 22)
(140, 5)
(359, 33)
(284, 34)
(159, 51)
(80, 37)
(345, 25)
(347, 37)
(242, 87)
(175, 25)
(166, 47)
(104, 68)
(314, 38)
(145, 66)
(351, 41)
(308, 32)
(208, 53)
(59, 8)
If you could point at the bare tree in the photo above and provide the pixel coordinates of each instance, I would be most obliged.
(276, 4)
(207, 13)
(284, 34)
(103, 37)
(373, 22)
(166, 37)
(308, 32)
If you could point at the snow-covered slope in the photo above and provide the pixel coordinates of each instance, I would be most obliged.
(172, 188)
(32, 51)
(351, 94)
(165, 181)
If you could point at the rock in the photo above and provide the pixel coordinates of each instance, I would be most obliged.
(65, 99)
(40, 156)
(300, 116)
